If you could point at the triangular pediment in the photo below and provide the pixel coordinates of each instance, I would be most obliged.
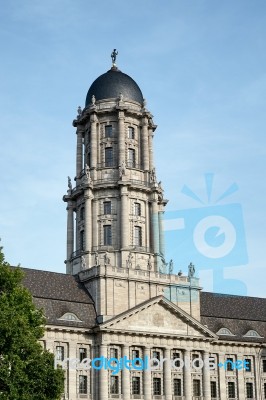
(157, 316)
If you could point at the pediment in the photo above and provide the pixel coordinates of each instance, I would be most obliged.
(158, 316)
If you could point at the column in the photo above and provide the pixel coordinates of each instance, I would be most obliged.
(187, 376)
(145, 145)
(147, 377)
(103, 376)
(79, 156)
(147, 223)
(93, 141)
(124, 218)
(161, 232)
(73, 377)
(206, 376)
(95, 225)
(222, 379)
(70, 235)
(87, 220)
(167, 375)
(241, 380)
(125, 375)
(150, 149)
(155, 235)
(121, 137)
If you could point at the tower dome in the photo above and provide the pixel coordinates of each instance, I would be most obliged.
(111, 85)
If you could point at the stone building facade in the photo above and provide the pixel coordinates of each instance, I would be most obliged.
(120, 297)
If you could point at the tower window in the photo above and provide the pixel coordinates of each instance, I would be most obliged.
(131, 158)
(83, 384)
(137, 236)
(213, 389)
(231, 390)
(108, 130)
(107, 235)
(157, 386)
(137, 209)
(109, 157)
(264, 365)
(107, 207)
(131, 132)
(82, 213)
(82, 240)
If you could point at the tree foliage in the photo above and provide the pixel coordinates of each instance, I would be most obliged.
(26, 370)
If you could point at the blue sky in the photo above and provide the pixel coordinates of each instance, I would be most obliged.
(201, 67)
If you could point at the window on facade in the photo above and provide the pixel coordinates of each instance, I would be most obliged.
(137, 209)
(156, 354)
(249, 390)
(114, 384)
(131, 158)
(82, 354)
(213, 389)
(157, 386)
(248, 365)
(229, 364)
(82, 213)
(135, 354)
(108, 130)
(59, 353)
(195, 360)
(252, 333)
(196, 387)
(89, 159)
(225, 331)
(83, 384)
(231, 390)
(131, 133)
(264, 365)
(177, 387)
(107, 207)
(107, 235)
(113, 352)
(137, 236)
(264, 386)
(82, 240)
(176, 356)
(136, 385)
(109, 157)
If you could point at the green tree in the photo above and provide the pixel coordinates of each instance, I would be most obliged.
(26, 370)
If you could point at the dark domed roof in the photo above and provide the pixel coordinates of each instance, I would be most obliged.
(111, 84)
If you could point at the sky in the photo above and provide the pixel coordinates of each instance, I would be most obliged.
(201, 67)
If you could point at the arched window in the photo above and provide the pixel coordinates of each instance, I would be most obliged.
(70, 317)
(224, 331)
(252, 333)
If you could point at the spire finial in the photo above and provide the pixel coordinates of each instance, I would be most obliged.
(113, 57)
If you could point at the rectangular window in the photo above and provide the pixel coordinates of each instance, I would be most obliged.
(136, 385)
(248, 366)
(177, 387)
(196, 387)
(176, 357)
(264, 365)
(59, 353)
(213, 390)
(109, 157)
(249, 390)
(82, 213)
(195, 360)
(108, 130)
(113, 352)
(107, 207)
(137, 236)
(82, 354)
(156, 354)
(229, 365)
(135, 354)
(157, 387)
(107, 235)
(264, 386)
(131, 158)
(131, 133)
(137, 209)
(114, 384)
(83, 384)
(231, 390)
(82, 240)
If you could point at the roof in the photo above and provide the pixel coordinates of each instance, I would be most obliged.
(239, 314)
(111, 85)
(59, 294)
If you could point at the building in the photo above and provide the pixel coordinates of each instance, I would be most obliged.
(118, 298)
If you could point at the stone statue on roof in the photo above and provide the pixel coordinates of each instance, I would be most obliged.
(113, 56)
